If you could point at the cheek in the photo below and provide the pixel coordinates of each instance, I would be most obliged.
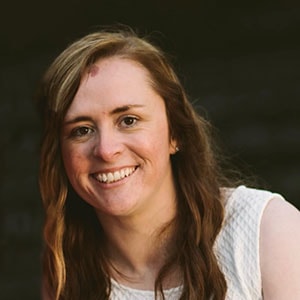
(158, 146)
(73, 160)
(162, 140)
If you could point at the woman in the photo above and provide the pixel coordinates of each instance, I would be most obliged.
(134, 197)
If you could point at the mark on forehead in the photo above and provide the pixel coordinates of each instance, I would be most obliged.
(93, 70)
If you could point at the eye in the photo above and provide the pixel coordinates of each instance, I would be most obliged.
(128, 121)
(81, 131)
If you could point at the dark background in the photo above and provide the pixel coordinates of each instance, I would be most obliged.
(238, 59)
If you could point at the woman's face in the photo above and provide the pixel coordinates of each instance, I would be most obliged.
(115, 141)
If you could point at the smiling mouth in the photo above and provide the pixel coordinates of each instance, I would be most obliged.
(111, 177)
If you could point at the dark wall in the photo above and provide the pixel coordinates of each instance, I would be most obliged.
(240, 63)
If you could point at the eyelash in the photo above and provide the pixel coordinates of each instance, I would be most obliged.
(83, 131)
(133, 120)
(76, 132)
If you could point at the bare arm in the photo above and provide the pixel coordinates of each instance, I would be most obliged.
(280, 251)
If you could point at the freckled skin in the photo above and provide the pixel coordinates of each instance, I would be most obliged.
(93, 71)
(112, 144)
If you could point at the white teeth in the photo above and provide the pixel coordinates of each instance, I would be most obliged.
(122, 173)
(115, 176)
(110, 177)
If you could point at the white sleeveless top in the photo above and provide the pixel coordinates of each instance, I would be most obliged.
(236, 248)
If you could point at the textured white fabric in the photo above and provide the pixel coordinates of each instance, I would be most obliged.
(121, 292)
(236, 248)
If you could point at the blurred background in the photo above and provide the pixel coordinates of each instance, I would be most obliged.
(239, 62)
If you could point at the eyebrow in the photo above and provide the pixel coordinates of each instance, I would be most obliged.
(125, 108)
(77, 120)
(115, 111)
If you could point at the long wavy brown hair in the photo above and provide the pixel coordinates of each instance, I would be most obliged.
(74, 260)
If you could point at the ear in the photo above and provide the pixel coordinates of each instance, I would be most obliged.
(173, 146)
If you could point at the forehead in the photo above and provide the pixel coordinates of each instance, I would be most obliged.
(121, 73)
(116, 65)
(93, 70)
(113, 82)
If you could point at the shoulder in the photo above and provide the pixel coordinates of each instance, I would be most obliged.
(245, 204)
(280, 250)
(237, 245)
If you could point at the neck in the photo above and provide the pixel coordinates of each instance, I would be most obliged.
(137, 247)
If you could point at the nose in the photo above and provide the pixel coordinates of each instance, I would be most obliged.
(108, 145)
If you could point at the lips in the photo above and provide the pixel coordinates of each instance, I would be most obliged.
(111, 177)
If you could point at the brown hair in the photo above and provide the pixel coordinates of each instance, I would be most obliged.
(71, 227)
